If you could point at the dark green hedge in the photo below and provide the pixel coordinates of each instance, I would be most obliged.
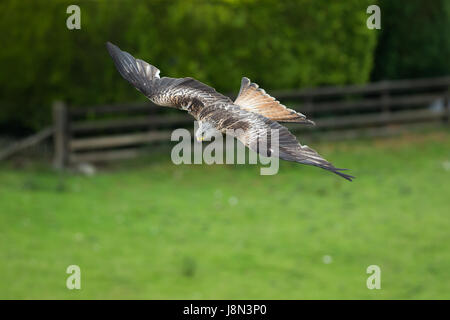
(414, 40)
(278, 44)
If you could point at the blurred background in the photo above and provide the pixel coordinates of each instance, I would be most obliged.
(141, 227)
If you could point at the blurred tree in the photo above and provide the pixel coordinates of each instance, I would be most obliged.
(278, 44)
(414, 40)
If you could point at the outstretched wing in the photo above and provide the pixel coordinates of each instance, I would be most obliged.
(255, 99)
(181, 93)
(256, 132)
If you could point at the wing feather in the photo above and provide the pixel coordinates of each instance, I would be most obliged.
(181, 93)
(255, 131)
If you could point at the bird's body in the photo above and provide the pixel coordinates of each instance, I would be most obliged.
(250, 118)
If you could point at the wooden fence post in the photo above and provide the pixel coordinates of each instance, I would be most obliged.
(60, 137)
(385, 98)
(309, 105)
(447, 106)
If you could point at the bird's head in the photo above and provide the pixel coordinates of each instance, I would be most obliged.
(205, 131)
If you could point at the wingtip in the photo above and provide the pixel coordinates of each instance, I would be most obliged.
(343, 175)
(112, 48)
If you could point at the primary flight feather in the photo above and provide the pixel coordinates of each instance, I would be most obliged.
(250, 118)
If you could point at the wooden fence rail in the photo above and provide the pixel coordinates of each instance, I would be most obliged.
(116, 131)
(26, 142)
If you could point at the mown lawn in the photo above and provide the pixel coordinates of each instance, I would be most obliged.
(153, 230)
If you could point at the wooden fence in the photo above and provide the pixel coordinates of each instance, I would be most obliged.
(118, 131)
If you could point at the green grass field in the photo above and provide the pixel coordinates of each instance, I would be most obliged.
(153, 230)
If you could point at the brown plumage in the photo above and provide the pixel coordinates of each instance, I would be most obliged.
(250, 118)
(255, 99)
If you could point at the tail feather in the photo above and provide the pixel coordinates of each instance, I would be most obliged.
(255, 99)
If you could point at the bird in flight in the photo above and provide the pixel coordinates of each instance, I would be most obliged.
(250, 118)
